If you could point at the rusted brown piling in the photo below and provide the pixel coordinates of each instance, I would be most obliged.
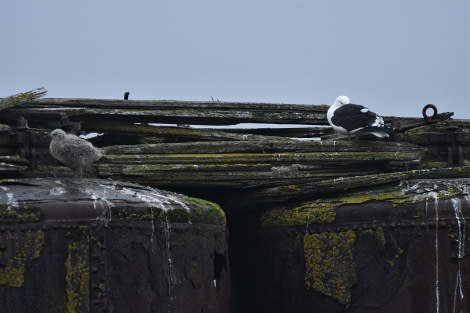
(101, 246)
(401, 249)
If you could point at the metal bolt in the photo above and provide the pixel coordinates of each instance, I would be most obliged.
(22, 124)
(65, 122)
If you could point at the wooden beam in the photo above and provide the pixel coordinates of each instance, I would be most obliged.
(178, 112)
(170, 112)
(252, 164)
(342, 184)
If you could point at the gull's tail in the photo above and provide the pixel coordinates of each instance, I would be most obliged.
(381, 132)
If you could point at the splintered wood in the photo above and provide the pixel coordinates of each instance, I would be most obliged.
(286, 151)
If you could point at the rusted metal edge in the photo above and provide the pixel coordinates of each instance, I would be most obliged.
(41, 200)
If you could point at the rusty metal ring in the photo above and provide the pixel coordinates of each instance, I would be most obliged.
(434, 114)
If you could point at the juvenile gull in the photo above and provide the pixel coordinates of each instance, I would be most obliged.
(73, 151)
(347, 118)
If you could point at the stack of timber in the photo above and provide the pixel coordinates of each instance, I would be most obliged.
(261, 164)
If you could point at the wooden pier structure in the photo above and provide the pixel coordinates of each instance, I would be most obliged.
(143, 144)
(292, 190)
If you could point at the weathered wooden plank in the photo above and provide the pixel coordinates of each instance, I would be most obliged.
(196, 116)
(289, 132)
(148, 133)
(313, 189)
(178, 112)
(211, 113)
(12, 165)
(168, 133)
(252, 163)
(263, 145)
(207, 176)
(167, 104)
(22, 97)
(149, 169)
(273, 158)
(260, 163)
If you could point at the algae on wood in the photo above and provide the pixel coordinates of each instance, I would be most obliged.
(252, 163)
(262, 164)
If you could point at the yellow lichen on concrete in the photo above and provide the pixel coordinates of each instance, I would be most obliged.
(329, 263)
(14, 214)
(78, 277)
(289, 189)
(19, 250)
(393, 258)
(392, 196)
(394, 251)
(378, 233)
(310, 212)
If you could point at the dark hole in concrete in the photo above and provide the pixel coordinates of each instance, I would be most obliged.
(219, 264)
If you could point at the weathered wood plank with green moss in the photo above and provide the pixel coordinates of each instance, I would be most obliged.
(342, 184)
(168, 156)
(172, 112)
(163, 111)
(253, 163)
(160, 134)
(167, 133)
(339, 158)
(259, 144)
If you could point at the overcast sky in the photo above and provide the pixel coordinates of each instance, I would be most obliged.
(391, 56)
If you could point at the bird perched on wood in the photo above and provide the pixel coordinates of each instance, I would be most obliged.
(347, 118)
(73, 151)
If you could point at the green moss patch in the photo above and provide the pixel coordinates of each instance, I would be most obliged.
(196, 211)
(310, 212)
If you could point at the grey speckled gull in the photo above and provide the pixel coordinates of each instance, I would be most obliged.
(73, 151)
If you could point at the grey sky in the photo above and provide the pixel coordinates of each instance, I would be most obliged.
(391, 56)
